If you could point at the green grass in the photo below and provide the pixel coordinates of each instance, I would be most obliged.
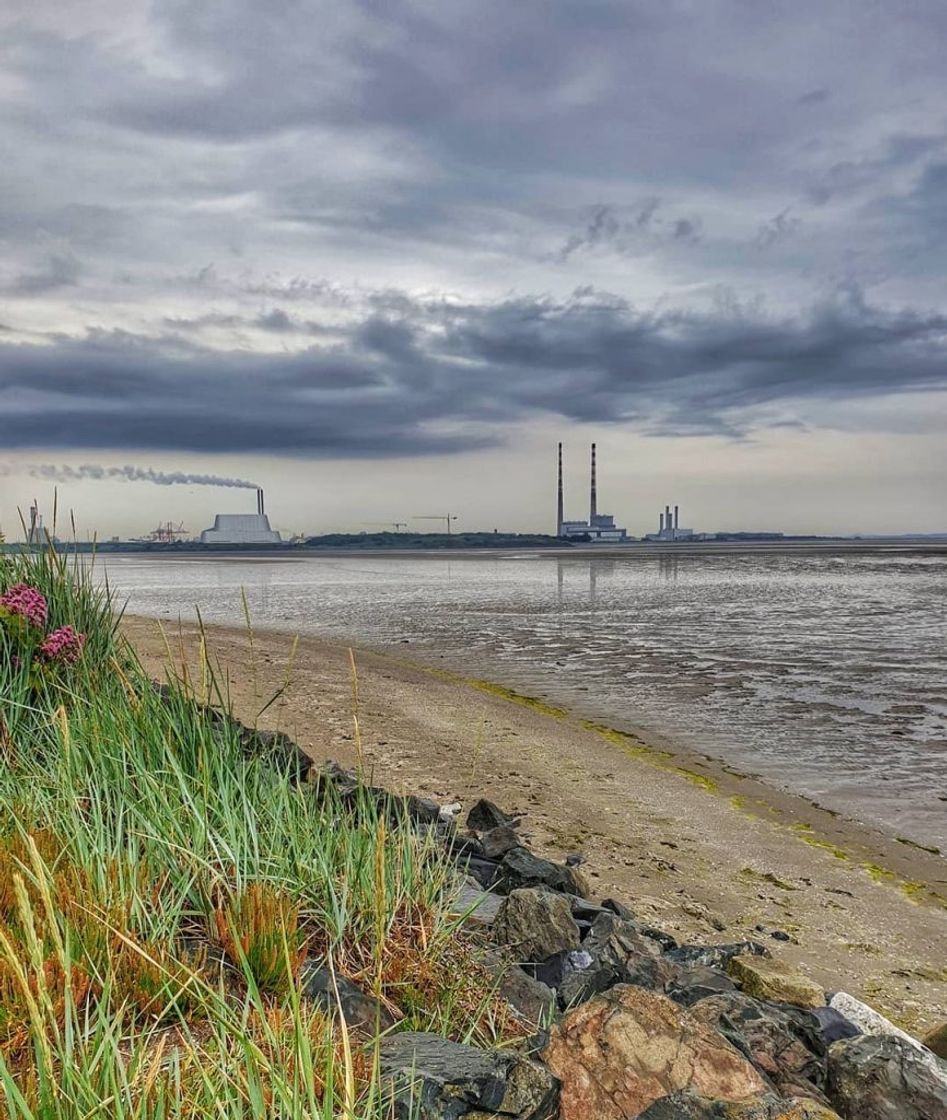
(161, 892)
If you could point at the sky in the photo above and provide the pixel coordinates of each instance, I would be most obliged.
(379, 257)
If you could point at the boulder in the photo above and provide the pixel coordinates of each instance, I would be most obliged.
(535, 924)
(834, 1025)
(520, 868)
(936, 1040)
(430, 1078)
(696, 983)
(627, 1048)
(361, 1011)
(277, 750)
(485, 871)
(686, 1106)
(484, 815)
(716, 956)
(498, 841)
(775, 980)
(480, 908)
(783, 1042)
(620, 954)
(867, 1019)
(533, 1001)
(881, 1077)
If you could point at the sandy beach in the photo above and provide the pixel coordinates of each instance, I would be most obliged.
(689, 842)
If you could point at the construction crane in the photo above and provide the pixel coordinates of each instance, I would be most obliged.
(448, 517)
(165, 534)
(396, 525)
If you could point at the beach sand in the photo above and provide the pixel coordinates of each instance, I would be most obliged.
(688, 842)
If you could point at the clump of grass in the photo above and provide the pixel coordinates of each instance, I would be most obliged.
(160, 891)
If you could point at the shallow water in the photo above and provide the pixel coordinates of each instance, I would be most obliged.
(825, 674)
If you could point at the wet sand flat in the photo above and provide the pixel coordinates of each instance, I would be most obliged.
(688, 842)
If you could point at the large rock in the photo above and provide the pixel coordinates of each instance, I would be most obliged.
(520, 868)
(686, 1106)
(936, 1040)
(783, 1042)
(484, 815)
(535, 924)
(623, 1050)
(867, 1019)
(715, 956)
(620, 954)
(696, 983)
(430, 1078)
(360, 1011)
(479, 908)
(774, 980)
(875, 1077)
(533, 1001)
(498, 841)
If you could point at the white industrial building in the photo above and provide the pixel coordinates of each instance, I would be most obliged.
(242, 528)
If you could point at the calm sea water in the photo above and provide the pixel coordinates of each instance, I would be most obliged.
(825, 674)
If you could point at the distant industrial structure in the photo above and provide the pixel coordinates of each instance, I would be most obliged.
(242, 528)
(669, 528)
(35, 533)
(599, 527)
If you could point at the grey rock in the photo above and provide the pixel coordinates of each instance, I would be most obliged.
(688, 1106)
(485, 871)
(278, 751)
(430, 1078)
(533, 1001)
(484, 815)
(697, 982)
(782, 1041)
(882, 1077)
(520, 868)
(716, 956)
(498, 841)
(479, 907)
(613, 952)
(834, 1025)
(535, 924)
(361, 1011)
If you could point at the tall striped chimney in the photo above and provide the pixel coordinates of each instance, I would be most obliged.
(559, 504)
(675, 517)
(593, 500)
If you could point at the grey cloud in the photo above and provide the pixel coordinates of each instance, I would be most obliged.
(57, 270)
(630, 231)
(397, 382)
(778, 228)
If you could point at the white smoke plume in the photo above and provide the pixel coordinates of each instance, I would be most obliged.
(49, 472)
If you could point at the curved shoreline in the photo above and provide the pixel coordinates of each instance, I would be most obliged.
(700, 844)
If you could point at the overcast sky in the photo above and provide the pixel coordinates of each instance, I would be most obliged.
(380, 256)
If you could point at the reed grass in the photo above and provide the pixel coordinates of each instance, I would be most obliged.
(161, 891)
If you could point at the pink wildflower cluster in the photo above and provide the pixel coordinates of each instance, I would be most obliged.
(64, 644)
(27, 602)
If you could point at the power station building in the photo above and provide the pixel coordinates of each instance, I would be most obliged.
(669, 528)
(242, 528)
(600, 527)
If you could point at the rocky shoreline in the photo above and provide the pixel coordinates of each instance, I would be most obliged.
(622, 1021)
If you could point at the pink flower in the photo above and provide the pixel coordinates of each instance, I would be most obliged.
(63, 644)
(27, 602)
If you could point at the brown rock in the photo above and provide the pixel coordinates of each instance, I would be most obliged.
(936, 1040)
(776, 981)
(627, 1048)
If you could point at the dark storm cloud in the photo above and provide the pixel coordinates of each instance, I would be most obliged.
(181, 169)
(449, 375)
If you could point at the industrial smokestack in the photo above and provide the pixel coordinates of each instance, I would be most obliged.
(559, 504)
(667, 518)
(593, 500)
(660, 522)
(675, 517)
(259, 501)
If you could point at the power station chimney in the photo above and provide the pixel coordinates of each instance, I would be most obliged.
(259, 501)
(660, 523)
(559, 504)
(593, 500)
(675, 517)
(667, 518)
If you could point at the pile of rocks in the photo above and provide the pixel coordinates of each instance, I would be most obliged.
(626, 1022)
